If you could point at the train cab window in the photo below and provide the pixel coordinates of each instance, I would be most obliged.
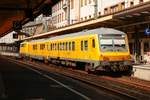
(86, 45)
(81, 45)
(23, 45)
(93, 43)
(73, 46)
(69, 46)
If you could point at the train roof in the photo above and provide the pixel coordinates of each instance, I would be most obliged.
(82, 33)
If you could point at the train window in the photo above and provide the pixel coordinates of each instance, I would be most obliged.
(93, 43)
(57, 46)
(73, 46)
(60, 46)
(51, 47)
(47, 47)
(63, 46)
(81, 45)
(69, 46)
(66, 46)
(42, 46)
(34, 47)
(86, 45)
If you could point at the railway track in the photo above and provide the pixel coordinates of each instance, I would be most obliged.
(134, 82)
(120, 86)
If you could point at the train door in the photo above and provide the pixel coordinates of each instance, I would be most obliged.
(92, 48)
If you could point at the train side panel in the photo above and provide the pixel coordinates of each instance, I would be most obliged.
(82, 51)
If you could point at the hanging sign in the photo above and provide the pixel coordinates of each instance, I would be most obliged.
(147, 31)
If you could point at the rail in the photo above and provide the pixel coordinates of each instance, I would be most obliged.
(119, 87)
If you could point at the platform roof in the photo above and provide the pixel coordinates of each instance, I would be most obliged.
(12, 10)
(124, 20)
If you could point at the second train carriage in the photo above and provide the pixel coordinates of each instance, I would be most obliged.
(102, 49)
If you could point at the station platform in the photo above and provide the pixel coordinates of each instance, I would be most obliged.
(142, 71)
(9, 54)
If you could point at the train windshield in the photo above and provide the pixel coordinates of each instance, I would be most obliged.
(113, 43)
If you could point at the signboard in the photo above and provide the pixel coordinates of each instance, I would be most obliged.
(147, 31)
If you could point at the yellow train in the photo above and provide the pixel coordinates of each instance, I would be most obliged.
(102, 49)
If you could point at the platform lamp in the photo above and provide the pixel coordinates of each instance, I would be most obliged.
(17, 25)
(29, 14)
(147, 31)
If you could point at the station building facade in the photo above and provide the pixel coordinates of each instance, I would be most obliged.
(67, 12)
(8, 43)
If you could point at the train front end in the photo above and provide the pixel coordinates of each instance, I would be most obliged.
(114, 52)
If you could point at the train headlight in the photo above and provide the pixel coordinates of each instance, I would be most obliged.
(105, 58)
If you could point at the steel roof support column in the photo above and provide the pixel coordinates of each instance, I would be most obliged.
(137, 46)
